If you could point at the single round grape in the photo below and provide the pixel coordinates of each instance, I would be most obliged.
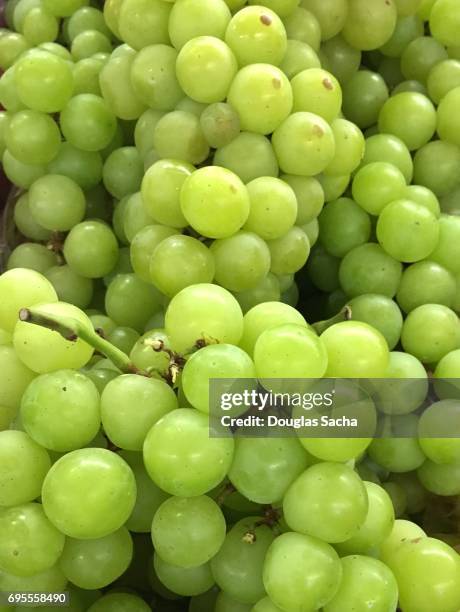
(299, 56)
(349, 148)
(186, 581)
(376, 185)
(343, 225)
(442, 78)
(444, 23)
(363, 96)
(300, 570)
(68, 202)
(402, 531)
(249, 156)
(87, 122)
(436, 166)
(145, 357)
(93, 564)
(83, 167)
(32, 137)
(87, 18)
(273, 207)
(116, 602)
(125, 396)
(22, 175)
(23, 467)
(424, 196)
(39, 26)
(220, 124)
(331, 15)
(302, 25)
(91, 249)
(407, 29)
(445, 252)
(390, 149)
(142, 23)
(30, 544)
(130, 301)
(89, 493)
(420, 56)
(215, 202)
(309, 194)
(178, 135)
(153, 77)
(89, 43)
(317, 91)
(304, 144)
(369, 25)
(115, 84)
(426, 282)
(355, 350)
(397, 117)
(32, 256)
(381, 313)
(262, 96)
(368, 269)
(25, 223)
(192, 18)
(257, 35)
(188, 532)
(123, 171)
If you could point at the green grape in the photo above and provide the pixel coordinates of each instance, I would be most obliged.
(266, 316)
(442, 78)
(91, 249)
(426, 282)
(331, 15)
(323, 269)
(220, 124)
(283, 8)
(100, 377)
(32, 256)
(349, 148)
(188, 531)
(343, 226)
(23, 467)
(83, 167)
(368, 269)
(182, 458)
(376, 185)
(436, 166)
(119, 602)
(355, 350)
(444, 22)
(416, 494)
(390, 149)
(43, 350)
(192, 18)
(143, 132)
(257, 35)
(63, 8)
(289, 351)
(12, 45)
(381, 313)
(22, 175)
(123, 171)
(408, 28)
(135, 217)
(152, 399)
(68, 202)
(237, 567)
(32, 137)
(111, 12)
(412, 85)
(317, 91)
(300, 570)
(153, 77)
(309, 194)
(215, 361)
(262, 96)
(145, 357)
(142, 23)
(178, 135)
(220, 191)
(205, 69)
(130, 301)
(60, 410)
(50, 581)
(89, 493)
(420, 56)
(268, 290)
(115, 81)
(411, 117)
(304, 144)
(86, 18)
(448, 126)
(70, 287)
(124, 338)
(241, 261)
(86, 76)
(30, 544)
(264, 468)
(440, 335)
(402, 531)
(440, 418)
(95, 563)
(446, 249)
(299, 56)
(439, 565)
(144, 243)
(365, 582)
(273, 207)
(191, 106)
(441, 479)
(57, 49)
(188, 581)
(422, 195)
(340, 58)
(225, 603)
(249, 156)
(369, 25)
(302, 25)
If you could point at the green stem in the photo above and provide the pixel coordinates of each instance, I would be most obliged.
(344, 315)
(71, 329)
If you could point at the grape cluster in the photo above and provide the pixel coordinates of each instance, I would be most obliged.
(201, 186)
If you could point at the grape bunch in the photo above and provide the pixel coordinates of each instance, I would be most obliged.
(227, 189)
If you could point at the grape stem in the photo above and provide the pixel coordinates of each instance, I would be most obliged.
(344, 315)
(71, 330)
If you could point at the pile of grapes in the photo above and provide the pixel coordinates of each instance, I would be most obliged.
(218, 189)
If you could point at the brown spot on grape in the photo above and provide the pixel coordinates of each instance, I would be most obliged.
(232, 188)
(266, 20)
(328, 84)
(317, 131)
(276, 83)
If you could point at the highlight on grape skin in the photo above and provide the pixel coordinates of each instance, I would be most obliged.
(229, 305)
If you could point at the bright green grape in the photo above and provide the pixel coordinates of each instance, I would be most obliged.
(188, 531)
(309, 194)
(302, 25)
(376, 185)
(118, 602)
(32, 137)
(128, 396)
(349, 148)
(442, 78)
(426, 282)
(448, 126)
(213, 362)
(257, 35)
(331, 15)
(215, 202)
(237, 567)
(90, 43)
(290, 252)
(86, 18)
(444, 22)
(333, 186)
(422, 195)
(355, 350)
(12, 45)
(407, 29)
(273, 207)
(23, 467)
(289, 351)
(95, 563)
(344, 226)
(178, 135)
(299, 56)
(264, 468)
(365, 582)
(381, 313)
(16, 377)
(447, 247)
(144, 244)
(68, 202)
(317, 91)
(115, 84)
(262, 96)
(192, 18)
(91, 249)
(145, 357)
(301, 571)
(89, 493)
(135, 217)
(183, 581)
(411, 117)
(390, 149)
(182, 458)
(220, 124)
(191, 106)
(22, 175)
(60, 410)
(265, 605)
(33, 256)
(249, 156)
(143, 23)
(180, 261)
(448, 366)
(304, 144)
(44, 350)
(401, 532)
(430, 331)
(87, 122)
(369, 25)
(205, 69)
